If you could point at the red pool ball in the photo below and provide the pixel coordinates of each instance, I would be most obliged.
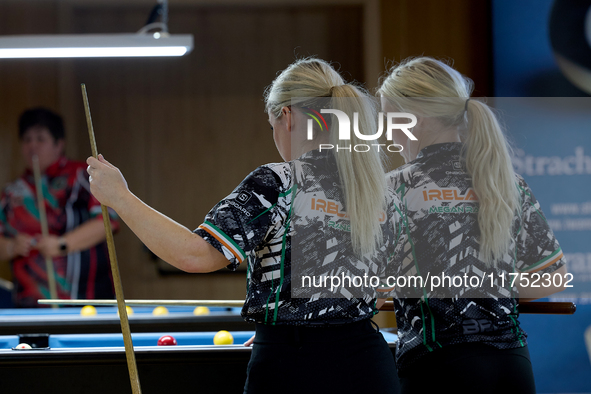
(166, 340)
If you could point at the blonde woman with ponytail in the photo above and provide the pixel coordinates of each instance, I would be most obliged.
(467, 215)
(320, 213)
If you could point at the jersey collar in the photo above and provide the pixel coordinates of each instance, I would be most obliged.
(437, 149)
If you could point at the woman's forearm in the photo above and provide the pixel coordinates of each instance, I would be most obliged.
(169, 240)
(172, 242)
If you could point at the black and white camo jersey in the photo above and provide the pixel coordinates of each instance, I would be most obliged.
(441, 210)
(286, 221)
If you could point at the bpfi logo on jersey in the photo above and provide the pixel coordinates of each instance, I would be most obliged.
(392, 119)
(457, 165)
(243, 197)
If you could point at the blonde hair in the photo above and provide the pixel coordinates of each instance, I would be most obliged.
(362, 175)
(443, 93)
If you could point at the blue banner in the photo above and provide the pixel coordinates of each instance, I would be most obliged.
(542, 49)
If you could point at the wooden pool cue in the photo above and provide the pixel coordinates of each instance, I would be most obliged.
(129, 353)
(550, 308)
(44, 228)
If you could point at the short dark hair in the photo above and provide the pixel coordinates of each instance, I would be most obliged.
(41, 117)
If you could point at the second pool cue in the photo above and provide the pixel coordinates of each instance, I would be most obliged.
(129, 353)
(536, 307)
(44, 227)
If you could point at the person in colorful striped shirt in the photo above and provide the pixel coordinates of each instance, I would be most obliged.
(75, 242)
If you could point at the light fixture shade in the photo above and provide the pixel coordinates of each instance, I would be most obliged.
(95, 45)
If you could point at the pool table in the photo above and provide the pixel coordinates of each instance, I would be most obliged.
(95, 363)
(69, 321)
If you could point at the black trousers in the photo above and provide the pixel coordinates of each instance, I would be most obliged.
(347, 358)
(470, 368)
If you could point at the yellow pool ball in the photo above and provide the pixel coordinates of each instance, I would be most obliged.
(128, 309)
(223, 337)
(201, 310)
(159, 311)
(88, 310)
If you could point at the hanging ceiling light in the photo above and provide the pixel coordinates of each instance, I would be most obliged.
(142, 43)
(95, 45)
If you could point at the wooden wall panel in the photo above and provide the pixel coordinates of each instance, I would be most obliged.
(457, 30)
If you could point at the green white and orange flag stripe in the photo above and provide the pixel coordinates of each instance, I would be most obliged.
(226, 241)
(546, 262)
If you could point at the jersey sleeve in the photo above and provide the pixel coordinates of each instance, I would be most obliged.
(239, 223)
(537, 247)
